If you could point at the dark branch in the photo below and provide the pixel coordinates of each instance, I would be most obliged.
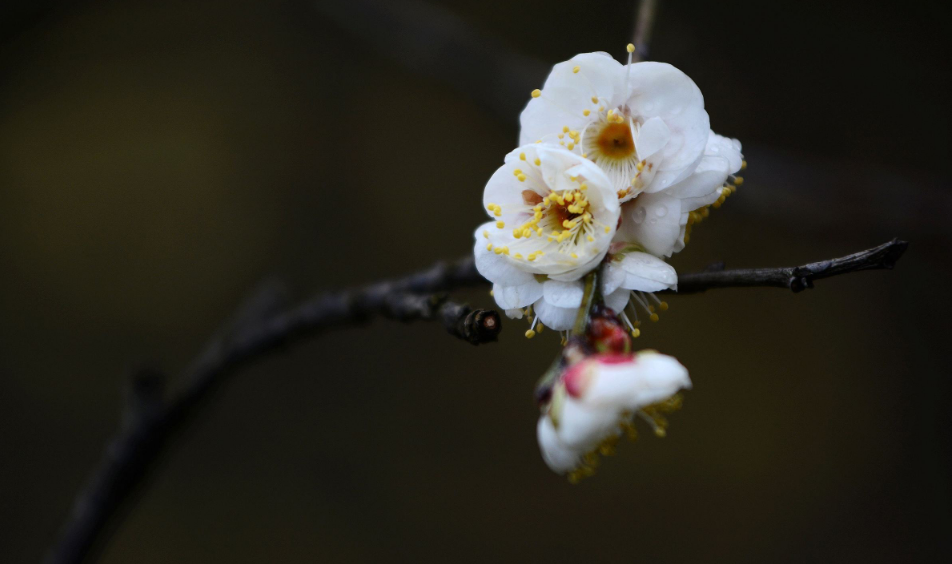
(795, 278)
(644, 20)
(150, 423)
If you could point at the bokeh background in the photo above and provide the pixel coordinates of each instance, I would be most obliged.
(159, 159)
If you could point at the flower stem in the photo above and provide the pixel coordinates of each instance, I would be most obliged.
(590, 296)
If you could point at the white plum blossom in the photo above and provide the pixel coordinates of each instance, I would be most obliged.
(645, 125)
(554, 215)
(596, 400)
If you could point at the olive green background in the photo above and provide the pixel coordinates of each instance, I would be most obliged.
(159, 159)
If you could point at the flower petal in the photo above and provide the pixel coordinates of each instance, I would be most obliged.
(660, 376)
(563, 294)
(499, 269)
(661, 90)
(557, 456)
(582, 428)
(555, 317)
(505, 190)
(646, 273)
(511, 297)
(612, 277)
(514, 313)
(567, 93)
(617, 300)
(703, 187)
(652, 221)
(730, 149)
(652, 137)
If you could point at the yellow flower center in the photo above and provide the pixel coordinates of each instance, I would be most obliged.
(615, 142)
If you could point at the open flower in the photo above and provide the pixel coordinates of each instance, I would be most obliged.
(644, 124)
(596, 400)
(658, 221)
(554, 216)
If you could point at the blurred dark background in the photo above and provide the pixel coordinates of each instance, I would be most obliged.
(159, 159)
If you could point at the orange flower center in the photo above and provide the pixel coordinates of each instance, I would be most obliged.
(615, 141)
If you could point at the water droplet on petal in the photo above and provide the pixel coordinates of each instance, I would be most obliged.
(661, 211)
(639, 215)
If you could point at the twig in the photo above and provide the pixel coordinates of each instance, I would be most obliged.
(149, 422)
(644, 20)
(795, 278)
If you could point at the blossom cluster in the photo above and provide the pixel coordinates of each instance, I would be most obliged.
(615, 164)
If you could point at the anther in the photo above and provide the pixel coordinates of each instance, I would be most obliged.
(536, 93)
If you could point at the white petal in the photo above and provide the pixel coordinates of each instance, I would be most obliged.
(664, 179)
(660, 376)
(652, 137)
(703, 187)
(566, 94)
(613, 386)
(563, 294)
(646, 273)
(554, 317)
(506, 190)
(617, 300)
(661, 90)
(499, 269)
(514, 313)
(652, 221)
(511, 297)
(720, 146)
(612, 277)
(557, 456)
(581, 268)
(582, 428)
(648, 378)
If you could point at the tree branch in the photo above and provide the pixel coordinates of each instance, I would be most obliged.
(149, 422)
(644, 20)
(796, 278)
